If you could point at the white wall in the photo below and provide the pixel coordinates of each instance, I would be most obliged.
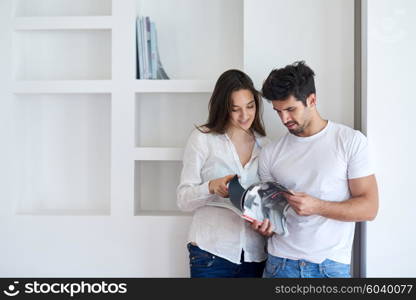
(321, 32)
(391, 106)
(7, 184)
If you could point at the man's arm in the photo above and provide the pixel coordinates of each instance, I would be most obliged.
(362, 206)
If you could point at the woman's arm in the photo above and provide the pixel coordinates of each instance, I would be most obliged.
(192, 192)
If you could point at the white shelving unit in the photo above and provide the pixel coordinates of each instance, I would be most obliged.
(145, 120)
(65, 153)
(161, 126)
(43, 54)
(193, 71)
(63, 103)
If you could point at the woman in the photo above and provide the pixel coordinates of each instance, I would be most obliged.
(221, 243)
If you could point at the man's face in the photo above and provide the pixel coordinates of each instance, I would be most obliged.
(294, 115)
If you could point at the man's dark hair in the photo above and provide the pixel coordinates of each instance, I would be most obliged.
(293, 80)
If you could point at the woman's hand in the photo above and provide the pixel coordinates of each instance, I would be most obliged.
(219, 186)
(265, 228)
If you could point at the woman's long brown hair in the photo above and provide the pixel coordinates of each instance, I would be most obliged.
(220, 103)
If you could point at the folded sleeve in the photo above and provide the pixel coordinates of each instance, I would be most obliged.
(359, 164)
(192, 192)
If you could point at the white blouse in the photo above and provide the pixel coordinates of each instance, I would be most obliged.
(218, 230)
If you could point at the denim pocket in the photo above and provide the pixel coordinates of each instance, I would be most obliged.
(271, 269)
(199, 258)
(333, 269)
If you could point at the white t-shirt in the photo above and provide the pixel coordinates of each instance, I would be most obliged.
(218, 230)
(319, 165)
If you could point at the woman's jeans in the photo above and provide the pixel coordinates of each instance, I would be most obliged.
(277, 267)
(205, 264)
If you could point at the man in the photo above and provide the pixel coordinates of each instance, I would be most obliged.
(327, 166)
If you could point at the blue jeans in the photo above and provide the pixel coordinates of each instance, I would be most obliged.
(277, 267)
(205, 264)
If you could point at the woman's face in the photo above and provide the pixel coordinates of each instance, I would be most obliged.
(243, 109)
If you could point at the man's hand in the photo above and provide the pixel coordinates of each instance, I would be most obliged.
(362, 206)
(304, 204)
(265, 228)
(219, 186)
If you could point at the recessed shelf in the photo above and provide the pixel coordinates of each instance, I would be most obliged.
(167, 120)
(193, 46)
(155, 187)
(62, 55)
(64, 150)
(62, 23)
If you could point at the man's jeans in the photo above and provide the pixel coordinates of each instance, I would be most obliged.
(205, 264)
(277, 267)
